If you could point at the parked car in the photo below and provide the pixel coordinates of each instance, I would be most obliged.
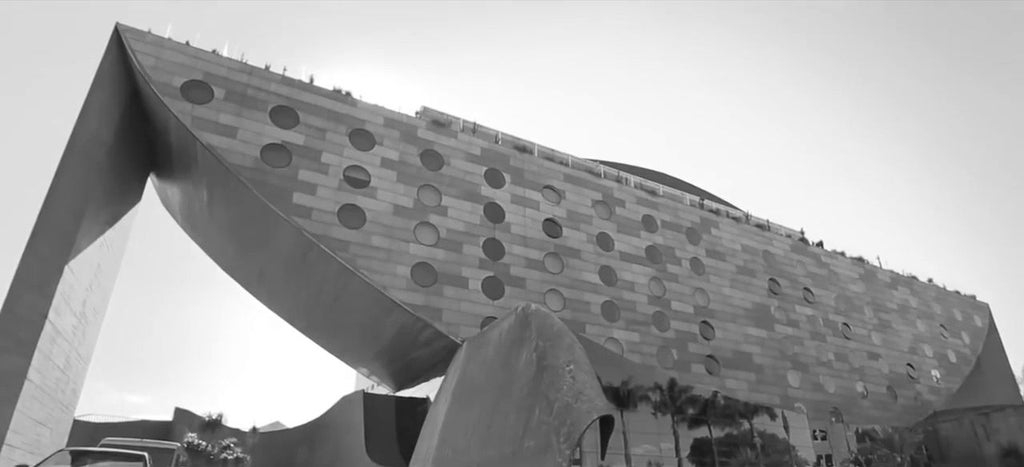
(161, 453)
(95, 457)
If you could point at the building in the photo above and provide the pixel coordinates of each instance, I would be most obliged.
(389, 239)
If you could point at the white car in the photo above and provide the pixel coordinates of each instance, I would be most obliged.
(161, 453)
(95, 457)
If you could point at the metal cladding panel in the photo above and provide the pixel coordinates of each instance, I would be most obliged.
(712, 300)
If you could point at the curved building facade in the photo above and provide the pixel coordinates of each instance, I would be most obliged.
(389, 238)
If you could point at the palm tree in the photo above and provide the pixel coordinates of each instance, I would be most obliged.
(711, 413)
(625, 396)
(675, 401)
(902, 445)
(748, 411)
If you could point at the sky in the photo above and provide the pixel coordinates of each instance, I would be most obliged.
(889, 130)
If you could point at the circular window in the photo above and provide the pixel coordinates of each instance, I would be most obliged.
(551, 194)
(793, 378)
(432, 160)
(494, 178)
(429, 195)
(276, 155)
(493, 288)
(423, 274)
(653, 254)
(486, 322)
(707, 331)
(554, 300)
(944, 331)
(608, 276)
(936, 376)
(426, 233)
(774, 286)
(927, 350)
(660, 321)
(666, 358)
(952, 355)
(602, 210)
(712, 365)
(494, 213)
(809, 295)
(351, 216)
(862, 389)
(846, 330)
(697, 266)
(554, 263)
(551, 228)
(614, 345)
(649, 223)
(196, 92)
(362, 139)
(693, 236)
(356, 176)
(610, 311)
(701, 297)
(657, 287)
(966, 338)
(911, 371)
(494, 250)
(769, 258)
(829, 384)
(605, 241)
(892, 393)
(284, 117)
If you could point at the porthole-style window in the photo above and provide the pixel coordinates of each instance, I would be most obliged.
(769, 258)
(846, 330)
(666, 358)
(965, 337)
(605, 241)
(494, 178)
(712, 365)
(426, 233)
(351, 216)
(610, 311)
(494, 213)
(927, 350)
(657, 287)
(423, 274)
(608, 276)
(284, 117)
(486, 322)
(554, 300)
(701, 297)
(196, 92)
(494, 250)
(895, 396)
(862, 389)
(431, 160)
(649, 223)
(276, 155)
(911, 372)
(944, 331)
(653, 254)
(551, 194)
(362, 139)
(697, 266)
(551, 228)
(356, 176)
(693, 236)
(707, 330)
(660, 321)
(429, 195)
(614, 345)
(809, 295)
(554, 263)
(952, 355)
(936, 376)
(774, 286)
(602, 210)
(493, 288)
(793, 378)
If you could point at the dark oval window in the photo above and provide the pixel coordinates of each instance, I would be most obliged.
(846, 330)
(493, 288)
(895, 396)
(554, 263)
(614, 345)
(429, 195)
(809, 295)
(712, 365)
(356, 176)
(432, 160)
(911, 371)
(697, 266)
(666, 358)
(494, 178)
(707, 330)
(551, 228)
(554, 300)
(605, 241)
(610, 311)
(649, 223)
(653, 254)
(774, 286)
(284, 117)
(701, 297)
(944, 331)
(494, 213)
(426, 233)
(862, 389)
(693, 236)
(660, 321)
(487, 322)
(608, 276)
(551, 194)
(602, 210)
(351, 216)
(362, 139)
(423, 274)
(494, 250)
(196, 92)
(276, 155)
(657, 287)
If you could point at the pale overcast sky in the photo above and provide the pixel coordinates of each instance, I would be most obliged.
(889, 129)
